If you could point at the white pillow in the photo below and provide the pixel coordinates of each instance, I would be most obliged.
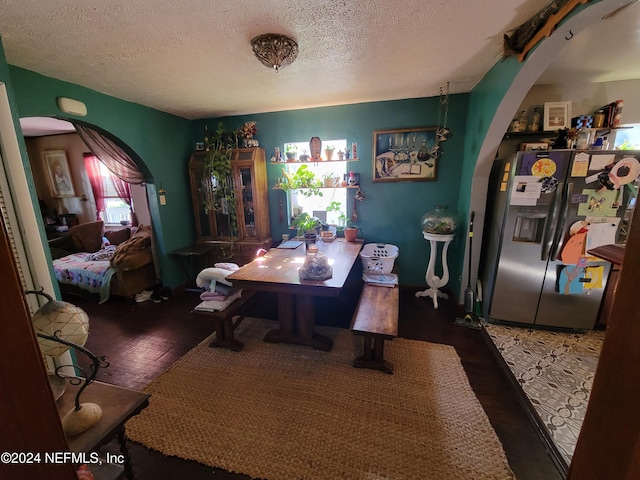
(227, 266)
(211, 275)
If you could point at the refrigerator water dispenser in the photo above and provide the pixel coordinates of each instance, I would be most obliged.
(529, 228)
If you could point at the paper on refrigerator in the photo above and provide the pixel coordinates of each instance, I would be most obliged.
(601, 233)
(526, 190)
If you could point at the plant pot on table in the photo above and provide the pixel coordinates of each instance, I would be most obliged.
(350, 234)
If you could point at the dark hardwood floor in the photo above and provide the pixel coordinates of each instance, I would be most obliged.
(141, 340)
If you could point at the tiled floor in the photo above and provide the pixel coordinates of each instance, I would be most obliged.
(555, 370)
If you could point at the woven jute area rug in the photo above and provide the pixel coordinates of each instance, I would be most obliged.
(286, 412)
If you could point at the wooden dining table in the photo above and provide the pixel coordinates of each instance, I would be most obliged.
(277, 271)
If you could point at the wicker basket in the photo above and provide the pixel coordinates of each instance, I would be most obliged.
(378, 257)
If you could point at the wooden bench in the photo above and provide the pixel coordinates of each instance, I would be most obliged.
(224, 323)
(376, 319)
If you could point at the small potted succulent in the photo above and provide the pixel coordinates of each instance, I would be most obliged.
(328, 179)
(291, 151)
(328, 152)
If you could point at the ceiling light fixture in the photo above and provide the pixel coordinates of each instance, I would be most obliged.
(275, 50)
(74, 107)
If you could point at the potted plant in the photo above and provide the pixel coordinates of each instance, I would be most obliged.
(247, 132)
(328, 152)
(342, 218)
(302, 179)
(328, 179)
(307, 227)
(217, 181)
(291, 151)
(340, 155)
(351, 232)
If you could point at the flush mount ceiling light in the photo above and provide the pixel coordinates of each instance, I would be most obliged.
(275, 50)
(74, 107)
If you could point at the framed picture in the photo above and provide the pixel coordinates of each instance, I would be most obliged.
(557, 115)
(528, 147)
(57, 165)
(401, 155)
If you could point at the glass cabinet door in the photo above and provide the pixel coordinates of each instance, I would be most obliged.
(226, 221)
(234, 209)
(247, 211)
(203, 226)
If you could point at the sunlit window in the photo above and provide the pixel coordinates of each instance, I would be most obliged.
(110, 193)
(334, 170)
(116, 210)
(628, 138)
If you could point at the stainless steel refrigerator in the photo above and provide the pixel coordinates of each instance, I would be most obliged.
(536, 223)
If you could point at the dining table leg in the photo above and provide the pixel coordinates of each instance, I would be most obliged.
(297, 323)
(305, 323)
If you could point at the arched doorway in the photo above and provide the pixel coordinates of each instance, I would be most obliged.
(613, 358)
(122, 194)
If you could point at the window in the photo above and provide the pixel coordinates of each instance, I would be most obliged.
(112, 195)
(628, 138)
(317, 205)
(116, 209)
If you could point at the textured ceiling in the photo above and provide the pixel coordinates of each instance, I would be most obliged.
(192, 58)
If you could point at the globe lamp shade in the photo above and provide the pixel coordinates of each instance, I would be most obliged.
(63, 320)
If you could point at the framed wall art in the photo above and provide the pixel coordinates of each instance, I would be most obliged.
(401, 155)
(557, 115)
(59, 173)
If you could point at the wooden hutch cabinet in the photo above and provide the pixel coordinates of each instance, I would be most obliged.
(235, 234)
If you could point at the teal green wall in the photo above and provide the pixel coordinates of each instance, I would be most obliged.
(391, 212)
(162, 141)
(483, 103)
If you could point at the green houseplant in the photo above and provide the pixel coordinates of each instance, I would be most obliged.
(291, 152)
(306, 225)
(217, 181)
(302, 179)
(342, 218)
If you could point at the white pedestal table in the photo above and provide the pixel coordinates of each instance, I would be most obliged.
(435, 282)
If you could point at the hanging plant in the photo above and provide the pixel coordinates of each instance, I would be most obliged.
(217, 181)
(302, 179)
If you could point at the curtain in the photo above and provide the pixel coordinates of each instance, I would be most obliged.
(115, 158)
(124, 192)
(92, 167)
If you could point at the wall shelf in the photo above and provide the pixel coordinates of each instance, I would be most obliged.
(320, 161)
(529, 134)
(600, 131)
(322, 188)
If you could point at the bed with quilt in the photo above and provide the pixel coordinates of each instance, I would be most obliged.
(115, 262)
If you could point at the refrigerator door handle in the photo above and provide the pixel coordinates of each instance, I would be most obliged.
(549, 231)
(560, 235)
